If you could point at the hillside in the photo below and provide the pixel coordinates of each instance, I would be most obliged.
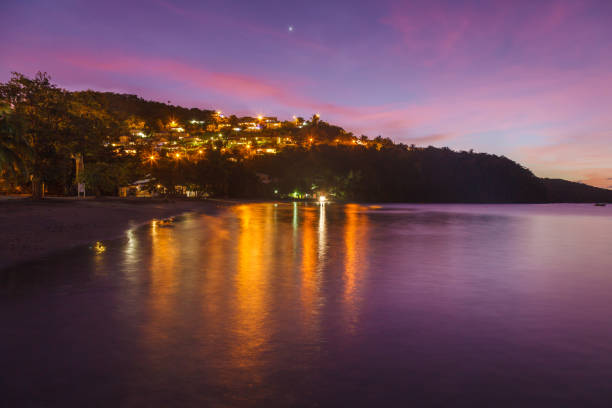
(563, 191)
(398, 173)
(155, 114)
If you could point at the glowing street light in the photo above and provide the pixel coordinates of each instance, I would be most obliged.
(322, 199)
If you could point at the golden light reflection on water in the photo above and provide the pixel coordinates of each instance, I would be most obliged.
(255, 239)
(310, 277)
(213, 255)
(132, 259)
(322, 244)
(229, 279)
(355, 254)
(164, 280)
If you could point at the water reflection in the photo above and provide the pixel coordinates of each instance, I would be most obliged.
(322, 244)
(296, 304)
(163, 283)
(310, 275)
(355, 255)
(255, 241)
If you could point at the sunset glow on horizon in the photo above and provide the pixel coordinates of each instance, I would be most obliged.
(528, 80)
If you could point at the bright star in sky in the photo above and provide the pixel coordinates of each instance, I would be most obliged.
(290, 28)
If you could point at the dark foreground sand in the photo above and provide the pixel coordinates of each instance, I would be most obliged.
(30, 229)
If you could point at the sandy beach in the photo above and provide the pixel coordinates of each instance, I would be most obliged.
(32, 229)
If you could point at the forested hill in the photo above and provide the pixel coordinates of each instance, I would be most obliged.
(394, 172)
(400, 174)
(155, 114)
(397, 173)
(203, 153)
(563, 191)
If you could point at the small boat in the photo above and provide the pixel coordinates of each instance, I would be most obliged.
(600, 204)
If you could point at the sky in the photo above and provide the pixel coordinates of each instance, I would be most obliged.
(530, 80)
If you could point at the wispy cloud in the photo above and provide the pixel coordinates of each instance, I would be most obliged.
(460, 35)
(429, 138)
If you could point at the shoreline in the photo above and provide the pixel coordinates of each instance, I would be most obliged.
(31, 230)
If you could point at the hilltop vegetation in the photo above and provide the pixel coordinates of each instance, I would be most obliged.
(178, 151)
(129, 109)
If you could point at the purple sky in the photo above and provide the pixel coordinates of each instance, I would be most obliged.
(531, 80)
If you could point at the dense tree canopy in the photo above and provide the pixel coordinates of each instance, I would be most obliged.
(53, 124)
(126, 107)
(398, 173)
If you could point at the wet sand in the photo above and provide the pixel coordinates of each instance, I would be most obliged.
(31, 229)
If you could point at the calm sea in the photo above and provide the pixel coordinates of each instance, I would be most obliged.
(307, 305)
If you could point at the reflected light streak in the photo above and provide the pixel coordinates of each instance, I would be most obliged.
(251, 286)
(355, 242)
(310, 276)
(131, 261)
(163, 285)
(214, 255)
(322, 244)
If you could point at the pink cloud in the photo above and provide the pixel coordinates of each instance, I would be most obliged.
(235, 85)
(238, 85)
(597, 178)
(457, 35)
(579, 159)
(429, 138)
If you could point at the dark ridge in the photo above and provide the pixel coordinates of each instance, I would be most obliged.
(563, 191)
(125, 106)
(397, 173)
